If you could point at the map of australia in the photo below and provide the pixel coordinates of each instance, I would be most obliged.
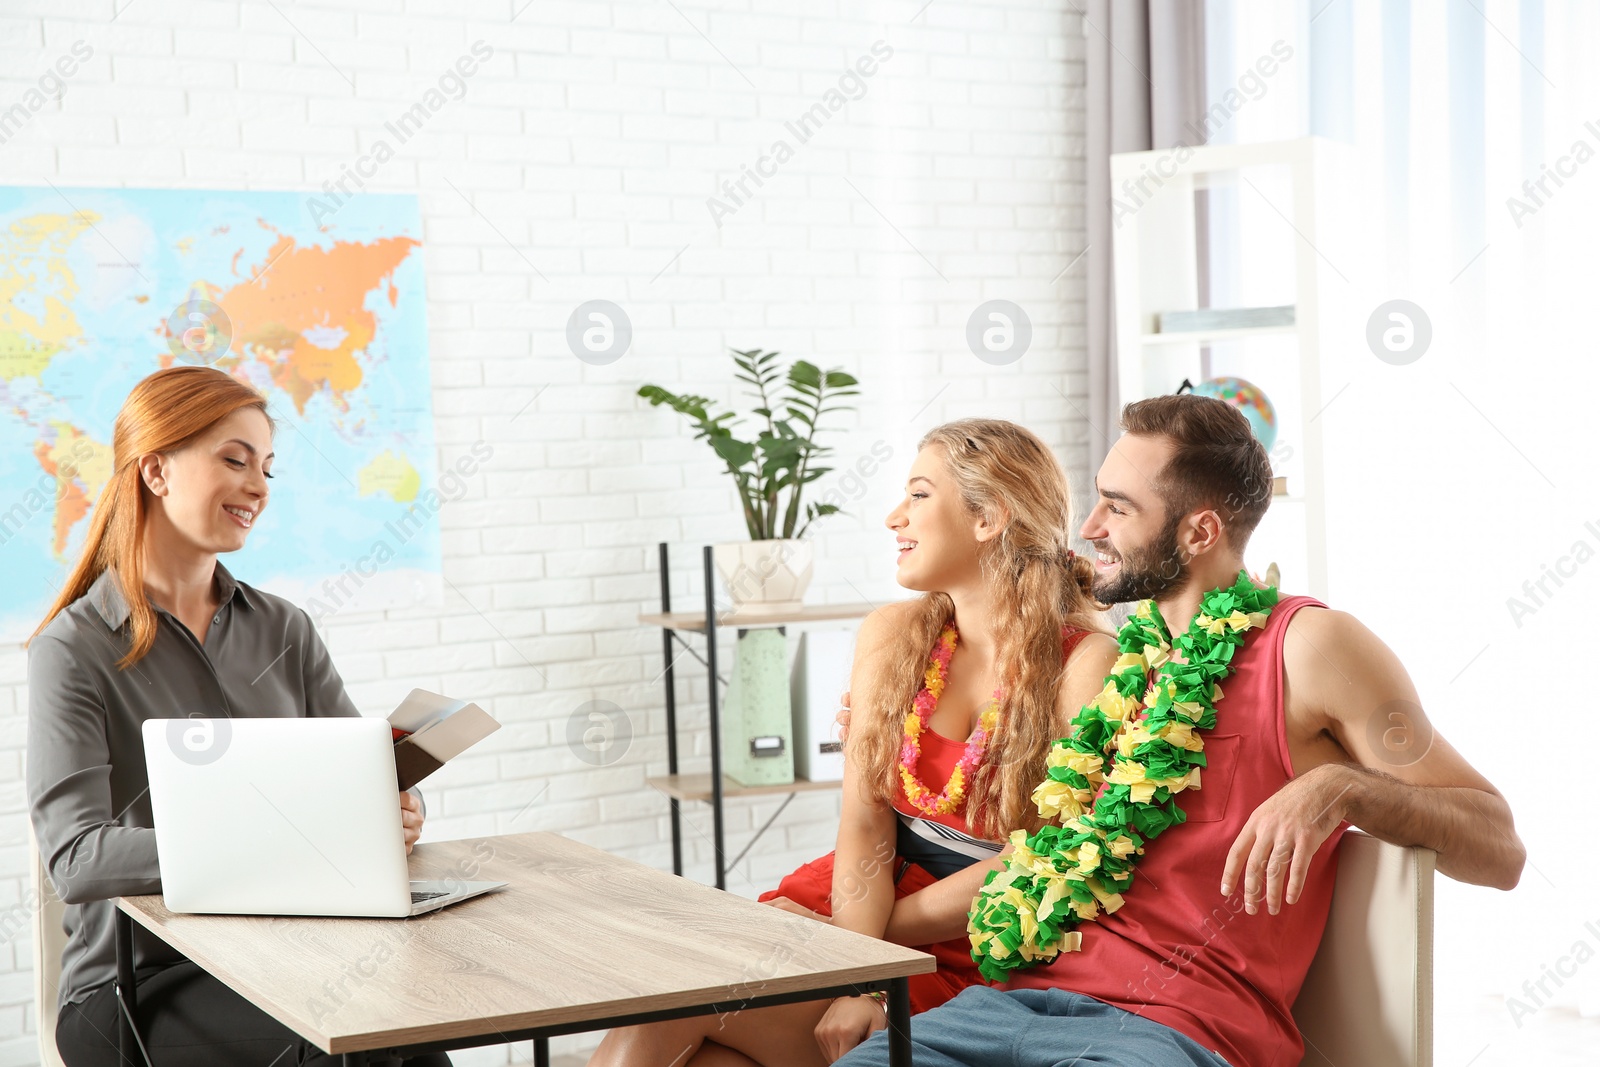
(99, 288)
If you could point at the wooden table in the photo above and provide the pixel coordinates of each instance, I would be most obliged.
(580, 940)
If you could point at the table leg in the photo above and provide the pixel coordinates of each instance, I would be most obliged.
(899, 1022)
(355, 1059)
(541, 1052)
(126, 988)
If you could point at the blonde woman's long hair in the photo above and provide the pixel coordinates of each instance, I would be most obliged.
(1005, 473)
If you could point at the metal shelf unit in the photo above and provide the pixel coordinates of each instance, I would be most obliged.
(713, 788)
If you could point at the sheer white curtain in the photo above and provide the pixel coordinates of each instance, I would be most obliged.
(1464, 490)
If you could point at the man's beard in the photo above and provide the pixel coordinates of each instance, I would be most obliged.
(1147, 572)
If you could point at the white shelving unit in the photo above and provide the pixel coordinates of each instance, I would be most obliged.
(1262, 194)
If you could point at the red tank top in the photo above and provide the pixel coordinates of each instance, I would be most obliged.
(940, 754)
(1177, 951)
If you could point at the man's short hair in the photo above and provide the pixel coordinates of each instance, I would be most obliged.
(1216, 461)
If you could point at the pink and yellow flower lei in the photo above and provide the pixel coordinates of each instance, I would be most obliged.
(951, 799)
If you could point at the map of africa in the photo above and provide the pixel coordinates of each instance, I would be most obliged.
(100, 287)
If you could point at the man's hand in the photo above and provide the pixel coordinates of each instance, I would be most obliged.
(411, 818)
(785, 904)
(848, 1022)
(843, 718)
(1274, 850)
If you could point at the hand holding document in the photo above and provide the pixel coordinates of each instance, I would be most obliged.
(430, 730)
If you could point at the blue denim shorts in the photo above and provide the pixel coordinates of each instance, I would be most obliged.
(984, 1027)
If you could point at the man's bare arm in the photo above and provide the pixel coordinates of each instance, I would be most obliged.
(1471, 829)
(1400, 780)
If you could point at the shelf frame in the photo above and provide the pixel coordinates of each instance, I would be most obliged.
(1205, 337)
(714, 788)
(698, 787)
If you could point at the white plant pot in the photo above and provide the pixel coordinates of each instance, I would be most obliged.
(765, 577)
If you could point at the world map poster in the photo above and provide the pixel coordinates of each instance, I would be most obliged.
(100, 287)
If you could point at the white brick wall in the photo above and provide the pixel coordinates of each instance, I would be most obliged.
(590, 141)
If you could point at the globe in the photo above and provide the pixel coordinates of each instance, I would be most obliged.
(1251, 402)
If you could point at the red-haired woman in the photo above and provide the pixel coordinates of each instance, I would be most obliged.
(151, 625)
(990, 664)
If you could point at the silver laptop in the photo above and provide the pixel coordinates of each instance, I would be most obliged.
(284, 817)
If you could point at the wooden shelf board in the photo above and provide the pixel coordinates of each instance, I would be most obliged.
(698, 787)
(696, 620)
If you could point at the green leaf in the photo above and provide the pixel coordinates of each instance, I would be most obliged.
(803, 374)
(734, 453)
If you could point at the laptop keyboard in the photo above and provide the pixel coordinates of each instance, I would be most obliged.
(418, 898)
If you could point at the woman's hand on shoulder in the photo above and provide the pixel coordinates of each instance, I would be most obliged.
(1086, 672)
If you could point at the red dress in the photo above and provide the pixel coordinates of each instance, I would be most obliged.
(929, 835)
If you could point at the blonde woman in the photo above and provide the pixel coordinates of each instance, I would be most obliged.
(957, 696)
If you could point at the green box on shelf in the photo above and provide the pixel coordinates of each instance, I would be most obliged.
(758, 741)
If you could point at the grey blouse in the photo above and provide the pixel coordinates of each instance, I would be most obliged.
(87, 790)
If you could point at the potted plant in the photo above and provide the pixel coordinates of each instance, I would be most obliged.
(768, 574)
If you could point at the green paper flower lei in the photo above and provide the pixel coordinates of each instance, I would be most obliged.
(1069, 870)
